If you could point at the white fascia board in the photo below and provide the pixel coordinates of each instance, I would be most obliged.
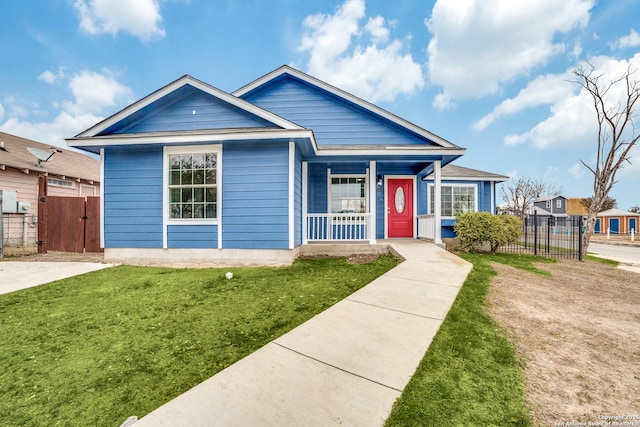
(435, 151)
(285, 69)
(184, 80)
(183, 138)
(470, 178)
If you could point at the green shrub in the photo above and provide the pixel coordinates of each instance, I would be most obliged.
(477, 229)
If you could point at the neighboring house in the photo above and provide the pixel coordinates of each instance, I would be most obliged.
(195, 174)
(617, 221)
(575, 207)
(68, 173)
(463, 190)
(555, 205)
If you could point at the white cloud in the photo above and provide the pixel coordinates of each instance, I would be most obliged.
(572, 119)
(479, 45)
(543, 90)
(51, 77)
(64, 125)
(92, 93)
(1, 111)
(577, 170)
(358, 59)
(375, 27)
(140, 18)
(631, 40)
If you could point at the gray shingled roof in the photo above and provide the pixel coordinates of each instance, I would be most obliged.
(451, 171)
(14, 154)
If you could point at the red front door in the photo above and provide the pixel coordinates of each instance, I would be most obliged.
(400, 219)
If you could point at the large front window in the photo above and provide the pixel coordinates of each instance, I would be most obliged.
(455, 199)
(348, 194)
(193, 186)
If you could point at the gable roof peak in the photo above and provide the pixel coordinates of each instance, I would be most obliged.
(176, 85)
(340, 93)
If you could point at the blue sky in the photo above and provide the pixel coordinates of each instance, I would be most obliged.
(493, 76)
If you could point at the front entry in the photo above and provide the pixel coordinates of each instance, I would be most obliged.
(400, 220)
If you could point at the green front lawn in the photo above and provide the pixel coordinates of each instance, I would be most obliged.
(470, 375)
(95, 349)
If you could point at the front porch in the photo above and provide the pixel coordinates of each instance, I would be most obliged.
(330, 227)
(364, 202)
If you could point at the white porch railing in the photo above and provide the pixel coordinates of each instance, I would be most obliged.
(328, 227)
(427, 227)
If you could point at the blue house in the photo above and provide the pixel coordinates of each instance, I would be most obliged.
(193, 174)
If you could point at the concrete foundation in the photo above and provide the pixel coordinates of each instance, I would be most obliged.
(201, 258)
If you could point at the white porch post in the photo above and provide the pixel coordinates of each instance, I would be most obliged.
(305, 182)
(437, 202)
(372, 201)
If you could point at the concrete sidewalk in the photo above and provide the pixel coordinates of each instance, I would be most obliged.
(16, 275)
(345, 366)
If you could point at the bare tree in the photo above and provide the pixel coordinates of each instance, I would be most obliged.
(616, 134)
(635, 209)
(519, 194)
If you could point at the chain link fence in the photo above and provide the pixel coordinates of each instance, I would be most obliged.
(19, 234)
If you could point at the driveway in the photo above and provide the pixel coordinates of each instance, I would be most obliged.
(628, 256)
(17, 275)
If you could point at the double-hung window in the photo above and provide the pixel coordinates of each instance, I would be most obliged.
(348, 194)
(455, 199)
(192, 181)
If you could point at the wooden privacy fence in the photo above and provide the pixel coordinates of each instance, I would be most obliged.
(69, 224)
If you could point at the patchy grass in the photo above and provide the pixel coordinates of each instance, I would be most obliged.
(98, 348)
(470, 375)
(604, 261)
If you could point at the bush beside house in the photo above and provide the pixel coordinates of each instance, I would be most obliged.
(480, 229)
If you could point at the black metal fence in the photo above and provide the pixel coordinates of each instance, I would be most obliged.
(557, 237)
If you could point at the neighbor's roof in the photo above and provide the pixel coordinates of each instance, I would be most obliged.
(547, 198)
(617, 212)
(67, 163)
(467, 174)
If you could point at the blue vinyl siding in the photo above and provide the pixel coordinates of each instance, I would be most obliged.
(317, 191)
(334, 120)
(210, 113)
(133, 197)
(255, 196)
(192, 236)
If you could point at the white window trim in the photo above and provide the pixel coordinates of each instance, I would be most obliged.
(559, 204)
(443, 185)
(353, 175)
(194, 149)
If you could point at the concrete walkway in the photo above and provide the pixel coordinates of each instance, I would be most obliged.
(346, 366)
(16, 275)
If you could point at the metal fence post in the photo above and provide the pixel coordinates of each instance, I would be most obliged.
(535, 233)
(580, 231)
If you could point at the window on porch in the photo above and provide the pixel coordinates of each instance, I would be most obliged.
(348, 194)
(455, 199)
